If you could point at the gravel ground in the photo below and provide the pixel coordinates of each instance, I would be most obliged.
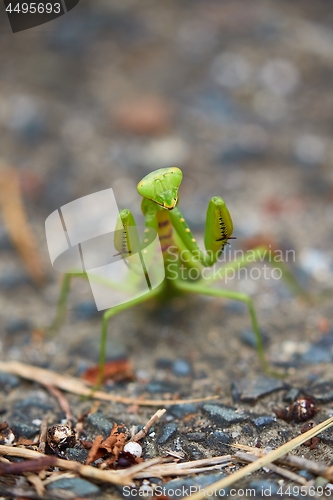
(237, 94)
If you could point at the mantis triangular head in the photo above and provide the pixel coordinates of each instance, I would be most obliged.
(161, 186)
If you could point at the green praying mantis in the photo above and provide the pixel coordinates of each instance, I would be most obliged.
(159, 190)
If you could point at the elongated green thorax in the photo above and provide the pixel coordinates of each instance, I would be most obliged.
(161, 186)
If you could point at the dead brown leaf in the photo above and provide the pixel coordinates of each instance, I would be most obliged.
(117, 370)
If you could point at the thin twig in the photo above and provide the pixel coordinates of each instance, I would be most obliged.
(34, 465)
(143, 432)
(42, 437)
(316, 468)
(87, 471)
(247, 457)
(62, 400)
(36, 482)
(175, 472)
(77, 386)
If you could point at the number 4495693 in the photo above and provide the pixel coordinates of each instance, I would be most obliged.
(34, 8)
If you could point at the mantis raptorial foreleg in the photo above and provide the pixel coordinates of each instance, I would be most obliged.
(218, 231)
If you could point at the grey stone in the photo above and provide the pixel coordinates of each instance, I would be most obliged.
(291, 395)
(181, 368)
(317, 354)
(99, 424)
(224, 415)
(23, 429)
(12, 280)
(196, 436)
(160, 386)
(85, 310)
(77, 454)
(218, 438)
(17, 326)
(163, 363)
(183, 485)
(322, 392)
(264, 421)
(249, 390)
(180, 410)
(8, 381)
(248, 338)
(167, 432)
(305, 473)
(76, 485)
(32, 408)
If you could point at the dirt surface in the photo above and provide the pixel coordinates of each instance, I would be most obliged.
(239, 96)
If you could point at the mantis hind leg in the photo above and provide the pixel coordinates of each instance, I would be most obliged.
(261, 254)
(242, 297)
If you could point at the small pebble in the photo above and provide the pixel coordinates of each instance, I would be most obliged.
(249, 338)
(224, 415)
(218, 438)
(163, 363)
(77, 454)
(291, 395)
(133, 448)
(322, 392)
(161, 386)
(280, 76)
(249, 390)
(197, 483)
(179, 411)
(85, 310)
(181, 368)
(79, 487)
(167, 432)
(22, 429)
(305, 473)
(12, 280)
(264, 421)
(196, 436)
(8, 381)
(317, 354)
(17, 326)
(99, 424)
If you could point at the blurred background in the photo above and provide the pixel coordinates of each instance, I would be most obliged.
(236, 93)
